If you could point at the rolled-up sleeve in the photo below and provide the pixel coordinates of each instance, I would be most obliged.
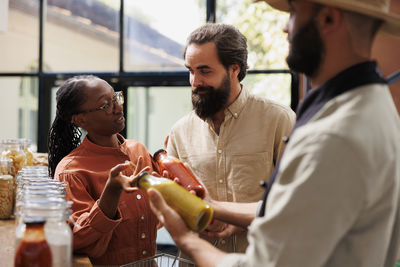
(93, 230)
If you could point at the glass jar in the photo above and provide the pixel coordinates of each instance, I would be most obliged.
(196, 213)
(11, 148)
(34, 249)
(57, 231)
(5, 165)
(25, 145)
(6, 196)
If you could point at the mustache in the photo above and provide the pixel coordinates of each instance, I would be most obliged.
(203, 89)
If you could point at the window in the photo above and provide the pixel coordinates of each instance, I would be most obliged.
(136, 48)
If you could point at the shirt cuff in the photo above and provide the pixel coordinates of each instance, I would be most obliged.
(100, 222)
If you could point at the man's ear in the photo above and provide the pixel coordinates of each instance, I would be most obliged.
(329, 19)
(235, 70)
(79, 120)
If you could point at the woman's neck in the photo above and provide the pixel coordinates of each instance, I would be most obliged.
(106, 141)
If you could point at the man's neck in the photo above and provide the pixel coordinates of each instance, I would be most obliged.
(328, 71)
(219, 117)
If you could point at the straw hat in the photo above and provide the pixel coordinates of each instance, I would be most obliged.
(373, 8)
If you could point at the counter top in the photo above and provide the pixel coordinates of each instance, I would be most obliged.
(7, 252)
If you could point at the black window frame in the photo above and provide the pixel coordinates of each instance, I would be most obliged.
(120, 80)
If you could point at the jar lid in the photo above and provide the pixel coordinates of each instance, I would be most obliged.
(5, 160)
(5, 177)
(10, 141)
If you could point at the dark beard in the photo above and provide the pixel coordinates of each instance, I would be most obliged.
(206, 105)
(306, 50)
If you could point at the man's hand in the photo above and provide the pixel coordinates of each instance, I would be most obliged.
(225, 232)
(168, 217)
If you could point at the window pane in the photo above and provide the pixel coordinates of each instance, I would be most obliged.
(81, 35)
(19, 108)
(19, 35)
(262, 26)
(272, 86)
(156, 31)
(152, 112)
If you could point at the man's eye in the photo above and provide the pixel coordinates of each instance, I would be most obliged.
(106, 105)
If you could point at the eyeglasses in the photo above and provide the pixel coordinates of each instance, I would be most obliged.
(108, 107)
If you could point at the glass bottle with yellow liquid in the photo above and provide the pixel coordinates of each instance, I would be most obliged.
(196, 213)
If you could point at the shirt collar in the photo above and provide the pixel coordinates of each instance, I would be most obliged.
(237, 106)
(94, 147)
(349, 79)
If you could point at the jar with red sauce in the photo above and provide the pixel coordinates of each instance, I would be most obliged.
(33, 249)
(176, 169)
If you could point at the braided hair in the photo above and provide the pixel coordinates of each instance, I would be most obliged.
(64, 136)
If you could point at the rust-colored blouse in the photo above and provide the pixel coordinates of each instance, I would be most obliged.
(130, 237)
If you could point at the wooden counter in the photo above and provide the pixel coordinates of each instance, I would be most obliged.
(7, 251)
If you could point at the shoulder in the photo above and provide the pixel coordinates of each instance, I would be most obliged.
(187, 122)
(267, 107)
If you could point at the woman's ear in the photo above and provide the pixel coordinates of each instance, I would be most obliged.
(78, 120)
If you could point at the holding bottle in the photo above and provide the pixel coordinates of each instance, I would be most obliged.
(196, 213)
(176, 168)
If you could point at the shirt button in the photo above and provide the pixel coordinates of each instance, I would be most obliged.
(138, 196)
(219, 151)
(235, 115)
(142, 217)
(221, 181)
(144, 252)
(143, 236)
(223, 241)
(285, 139)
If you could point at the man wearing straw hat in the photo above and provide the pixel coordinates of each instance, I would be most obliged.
(335, 196)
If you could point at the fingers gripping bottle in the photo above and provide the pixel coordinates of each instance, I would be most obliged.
(196, 213)
(176, 168)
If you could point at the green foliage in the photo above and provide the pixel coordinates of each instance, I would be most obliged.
(267, 45)
(263, 28)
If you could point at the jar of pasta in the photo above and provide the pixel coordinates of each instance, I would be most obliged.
(6, 188)
(6, 196)
(12, 148)
(26, 147)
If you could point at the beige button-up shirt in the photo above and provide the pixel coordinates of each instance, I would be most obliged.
(232, 164)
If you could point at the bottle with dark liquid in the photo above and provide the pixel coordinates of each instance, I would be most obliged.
(196, 213)
(176, 168)
(33, 249)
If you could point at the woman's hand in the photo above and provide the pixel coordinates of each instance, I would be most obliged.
(120, 181)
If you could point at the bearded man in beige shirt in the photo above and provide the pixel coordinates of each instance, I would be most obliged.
(232, 140)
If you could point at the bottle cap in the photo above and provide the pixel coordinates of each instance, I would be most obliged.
(158, 152)
(140, 177)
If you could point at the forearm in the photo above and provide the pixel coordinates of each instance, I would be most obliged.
(240, 214)
(109, 200)
(201, 251)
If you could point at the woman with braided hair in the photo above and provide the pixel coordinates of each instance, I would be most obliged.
(114, 223)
